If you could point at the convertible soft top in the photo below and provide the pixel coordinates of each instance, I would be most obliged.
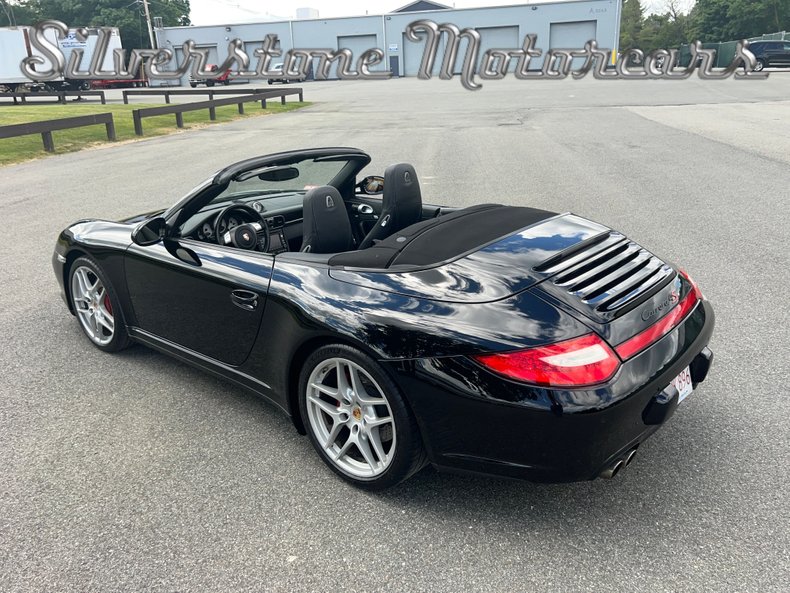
(443, 238)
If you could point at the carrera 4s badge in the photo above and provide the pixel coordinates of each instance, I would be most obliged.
(666, 304)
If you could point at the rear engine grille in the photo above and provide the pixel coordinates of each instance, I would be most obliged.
(607, 272)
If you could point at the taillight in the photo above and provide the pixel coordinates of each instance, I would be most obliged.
(582, 361)
(694, 286)
(663, 326)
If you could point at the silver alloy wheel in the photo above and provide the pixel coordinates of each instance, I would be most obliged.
(758, 67)
(351, 418)
(92, 305)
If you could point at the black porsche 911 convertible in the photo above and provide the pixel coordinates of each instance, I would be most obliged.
(493, 339)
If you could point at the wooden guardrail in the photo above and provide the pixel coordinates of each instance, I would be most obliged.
(211, 105)
(46, 127)
(61, 95)
(207, 91)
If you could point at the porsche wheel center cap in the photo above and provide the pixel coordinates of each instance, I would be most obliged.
(357, 414)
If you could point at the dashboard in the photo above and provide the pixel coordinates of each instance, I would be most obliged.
(206, 229)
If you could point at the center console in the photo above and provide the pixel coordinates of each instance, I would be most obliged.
(277, 241)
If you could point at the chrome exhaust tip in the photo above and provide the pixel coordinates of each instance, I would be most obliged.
(630, 457)
(611, 471)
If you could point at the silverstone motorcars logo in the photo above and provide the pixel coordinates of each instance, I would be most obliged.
(494, 64)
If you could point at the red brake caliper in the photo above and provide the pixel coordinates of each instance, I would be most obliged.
(107, 304)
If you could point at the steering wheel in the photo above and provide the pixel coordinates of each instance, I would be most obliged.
(249, 235)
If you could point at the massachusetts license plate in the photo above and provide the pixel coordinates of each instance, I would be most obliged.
(683, 384)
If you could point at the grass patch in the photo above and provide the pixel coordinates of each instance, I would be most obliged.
(22, 148)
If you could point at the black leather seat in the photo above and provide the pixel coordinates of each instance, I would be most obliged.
(326, 225)
(402, 203)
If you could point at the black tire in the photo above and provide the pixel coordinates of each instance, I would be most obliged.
(85, 85)
(120, 337)
(407, 453)
(226, 82)
(209, 83)
(270, 81)
(760, 65)
(193, 84)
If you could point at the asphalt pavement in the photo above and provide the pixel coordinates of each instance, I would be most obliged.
(134, 472)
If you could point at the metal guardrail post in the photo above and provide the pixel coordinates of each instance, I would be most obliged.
(125, 98)
(138, 122)
(180, 119)
(167, 97)
(212, 113)
(241, 108)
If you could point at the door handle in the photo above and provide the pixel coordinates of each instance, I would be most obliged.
(244, 299)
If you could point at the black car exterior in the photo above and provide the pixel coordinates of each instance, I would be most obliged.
(492, 340)
(773, 54)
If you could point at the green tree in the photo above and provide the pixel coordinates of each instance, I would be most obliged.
(751, 18)
(711, 21)
(665, 31)
(631, 24)
(14, 13)
(125, 14)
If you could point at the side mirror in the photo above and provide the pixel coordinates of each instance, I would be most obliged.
(149, 232)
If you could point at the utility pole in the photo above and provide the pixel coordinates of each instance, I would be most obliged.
(148, 22)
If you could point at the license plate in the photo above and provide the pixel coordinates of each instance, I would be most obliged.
(683, 384)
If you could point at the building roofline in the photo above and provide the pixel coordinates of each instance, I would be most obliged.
(386, 14)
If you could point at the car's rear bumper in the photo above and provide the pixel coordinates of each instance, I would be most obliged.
(472, 421)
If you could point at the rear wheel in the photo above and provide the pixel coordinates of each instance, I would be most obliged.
(357, 419)
(760, 65)
(96, 306)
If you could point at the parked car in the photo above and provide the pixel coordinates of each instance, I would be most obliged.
(282, 77)
(774, 54)
(223, 78)
(491, 339)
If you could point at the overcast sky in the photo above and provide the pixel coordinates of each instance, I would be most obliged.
(218, 12)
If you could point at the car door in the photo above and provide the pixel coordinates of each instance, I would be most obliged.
(785, 56)
(774, 53)
(203, 297)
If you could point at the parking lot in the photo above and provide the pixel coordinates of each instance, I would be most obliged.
(133, 472)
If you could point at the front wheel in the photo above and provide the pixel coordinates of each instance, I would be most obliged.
(760, 65)
(96, 306)
(357, 419)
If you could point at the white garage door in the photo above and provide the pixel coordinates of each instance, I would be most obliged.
(358, 44)
(572, 36)
(412, 55)
(494, 38)
(490, 38)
